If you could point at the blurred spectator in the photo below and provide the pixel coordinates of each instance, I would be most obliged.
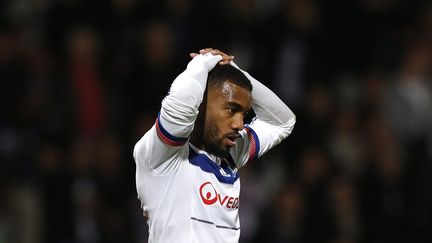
(13, 75)
(411, 94)
(83, 71)
(314, 172)
(299, 22)
(346, 143)
(115, 190)
(288, 216)
(55, 183)
(260, 183)
(84, 192)
(316, 113)
(345, 210)
(154, 66)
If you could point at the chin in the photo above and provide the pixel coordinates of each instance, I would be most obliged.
(224, 152)
(219, 151)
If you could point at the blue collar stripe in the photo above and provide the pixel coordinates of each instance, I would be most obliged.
(207, 165)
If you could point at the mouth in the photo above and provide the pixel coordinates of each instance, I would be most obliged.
(230, 139)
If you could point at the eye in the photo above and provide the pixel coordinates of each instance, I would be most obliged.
(230, 110)
(233, 108)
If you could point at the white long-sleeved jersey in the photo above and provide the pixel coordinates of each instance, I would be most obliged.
(187, 194)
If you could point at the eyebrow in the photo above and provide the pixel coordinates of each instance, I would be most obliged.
(236, 106)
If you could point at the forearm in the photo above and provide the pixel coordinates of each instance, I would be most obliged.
(267, 106)
(180, 106)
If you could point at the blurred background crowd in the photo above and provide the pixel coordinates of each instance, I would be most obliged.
(81, 81)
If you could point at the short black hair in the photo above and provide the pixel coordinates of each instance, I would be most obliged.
(223, 73)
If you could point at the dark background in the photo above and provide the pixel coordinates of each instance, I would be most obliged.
(81, 81)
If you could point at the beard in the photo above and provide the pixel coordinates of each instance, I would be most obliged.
(212, 143)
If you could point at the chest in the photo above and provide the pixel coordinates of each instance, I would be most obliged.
(215, 185)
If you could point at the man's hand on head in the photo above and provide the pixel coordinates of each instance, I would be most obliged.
(201, 64)
(226, 59)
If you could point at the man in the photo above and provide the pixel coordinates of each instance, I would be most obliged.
(187, 164)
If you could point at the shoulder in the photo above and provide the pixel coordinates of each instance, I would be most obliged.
(151, 153)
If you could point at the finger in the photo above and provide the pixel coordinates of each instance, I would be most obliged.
(226, 60)
(193, 54)
(223, 54)
(228, 57)
(213, 51)
(218, 52)
(205, 50)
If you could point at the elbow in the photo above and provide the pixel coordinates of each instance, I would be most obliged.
(136, 150)
(139, 150)
(289, 125)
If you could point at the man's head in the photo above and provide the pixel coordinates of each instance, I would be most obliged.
(223, 73)
(227, 100)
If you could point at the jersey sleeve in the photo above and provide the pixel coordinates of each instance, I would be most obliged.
(161, 145)
(273, 123)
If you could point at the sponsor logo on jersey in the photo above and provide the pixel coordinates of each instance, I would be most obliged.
(210, 196)
(224, 173)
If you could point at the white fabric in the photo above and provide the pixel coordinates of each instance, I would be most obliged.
(173, 188)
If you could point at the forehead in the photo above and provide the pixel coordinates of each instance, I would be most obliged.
(230, 92)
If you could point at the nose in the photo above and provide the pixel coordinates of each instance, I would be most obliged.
(237, 122)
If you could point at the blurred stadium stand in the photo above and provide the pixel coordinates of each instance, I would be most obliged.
(81, 81)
